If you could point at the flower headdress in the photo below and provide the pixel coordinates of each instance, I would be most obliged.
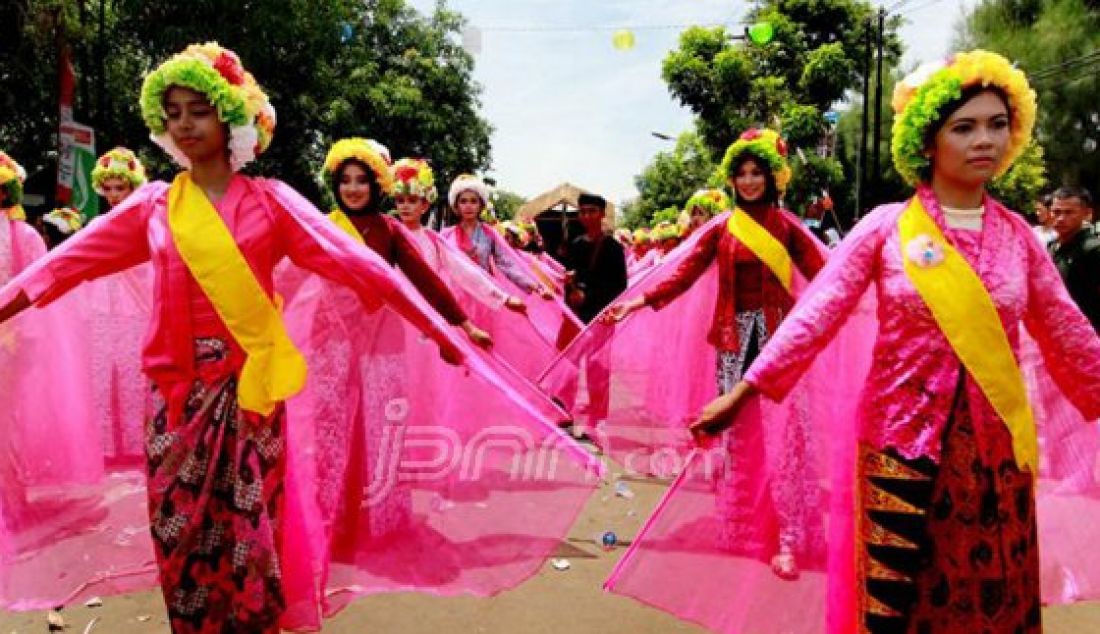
(367, 151)
(118, 163)
(713, 201)
(468, 183)
(12, 176)
(217, 73)
(919, 98)
(67, 220)
(414, 177)
(665, 231)
(765, 144)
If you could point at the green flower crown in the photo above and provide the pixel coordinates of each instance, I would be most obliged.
(118, 163)
(919, 98)
(217, 73)
(765, 144)
(713, 201)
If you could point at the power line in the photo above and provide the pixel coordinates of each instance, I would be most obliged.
(1056, 69)
(923, 5)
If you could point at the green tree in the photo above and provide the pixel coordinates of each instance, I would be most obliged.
(506, 203)
(1056, 42)
(814, 60)
(1024, 182)
(332, 69)
(669, 180)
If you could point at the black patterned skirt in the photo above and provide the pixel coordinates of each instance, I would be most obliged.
(215, 488)
(951, 547)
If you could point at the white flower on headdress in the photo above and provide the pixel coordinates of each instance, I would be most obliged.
(924, 251)
(242, 145)
(922, 73)
(382, 150)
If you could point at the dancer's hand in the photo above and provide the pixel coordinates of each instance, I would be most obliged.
(622, 310)
(516, 305)
(544, 292)
(718, 415)
(480, 338)
(448, 351)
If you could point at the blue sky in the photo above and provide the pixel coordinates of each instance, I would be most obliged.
(566, 106)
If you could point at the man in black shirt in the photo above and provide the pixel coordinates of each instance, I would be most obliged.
(596, 276)
(596, 262)
(1076, 249)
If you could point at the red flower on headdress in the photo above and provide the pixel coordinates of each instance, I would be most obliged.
(406, 173)
(781, 147)
(750, 134)
(229, 66)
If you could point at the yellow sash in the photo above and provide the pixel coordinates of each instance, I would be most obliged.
(763, 245)
(965, 313)
(16, 212)
(340, 219)
(274, 369)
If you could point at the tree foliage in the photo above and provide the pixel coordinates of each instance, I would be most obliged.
(1057, 42)
(669, 180)
(374, 68)
(506, 203)
(1024, 182)
(814, 61)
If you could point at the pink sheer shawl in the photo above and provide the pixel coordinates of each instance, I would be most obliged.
(699, 557)
(475, 483)
(555, 321)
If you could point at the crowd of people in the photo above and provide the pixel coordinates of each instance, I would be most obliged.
(893, 432)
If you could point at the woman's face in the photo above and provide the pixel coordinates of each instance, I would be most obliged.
(115, 190)
(410, 208)
(193, 125)
(469, 205)
(699, 217)
(750, 182)
(972, 142)
(354, 187)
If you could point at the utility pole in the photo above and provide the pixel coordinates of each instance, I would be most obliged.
(861, 155)
(876, 167)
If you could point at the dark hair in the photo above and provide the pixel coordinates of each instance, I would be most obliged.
(1070, 191)
(375, 202)
(1045, 200)
(54, 236)
(949, 109)
(771, 194)
(592, 199)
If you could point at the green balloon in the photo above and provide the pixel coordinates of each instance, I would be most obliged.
(761, 33)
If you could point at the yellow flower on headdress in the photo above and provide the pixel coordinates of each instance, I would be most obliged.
(919, 98)
(367, 151)
(12, 176)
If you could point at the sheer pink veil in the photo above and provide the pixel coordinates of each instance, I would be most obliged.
(554, 320)
(517, 338)
(73, 513)
(791, 471)
(461, 483)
